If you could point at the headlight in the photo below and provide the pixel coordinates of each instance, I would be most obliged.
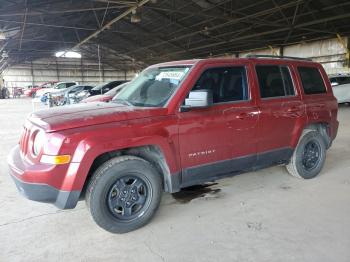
(38, 143)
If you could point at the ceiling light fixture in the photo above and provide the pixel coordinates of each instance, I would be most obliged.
(2, 36)
(69, 54)
(135, 17)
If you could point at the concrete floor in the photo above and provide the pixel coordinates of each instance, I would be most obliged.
(260, 216)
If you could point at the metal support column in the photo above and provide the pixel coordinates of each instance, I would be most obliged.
(345, 45)
(32, 73)
(57, 71)
(81, 71)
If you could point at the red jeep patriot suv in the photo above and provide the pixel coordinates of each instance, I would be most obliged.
(177, 124)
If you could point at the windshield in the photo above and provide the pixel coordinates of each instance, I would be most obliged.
(153, 87)
(60, 86)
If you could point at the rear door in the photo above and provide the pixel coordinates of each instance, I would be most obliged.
(281, 112)
(221, 138)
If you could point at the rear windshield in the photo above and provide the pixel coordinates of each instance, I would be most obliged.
(312, 80)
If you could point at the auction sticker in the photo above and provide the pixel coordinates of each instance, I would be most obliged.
(170, 75)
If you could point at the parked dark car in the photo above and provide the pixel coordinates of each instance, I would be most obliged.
(105, 87)
(107, 97)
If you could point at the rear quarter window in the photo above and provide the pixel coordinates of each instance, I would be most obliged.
(311, 80)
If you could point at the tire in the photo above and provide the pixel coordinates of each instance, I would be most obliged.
(113, 183)
(305, 163)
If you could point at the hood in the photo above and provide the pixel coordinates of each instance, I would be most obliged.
(87, 114)
(98, 98)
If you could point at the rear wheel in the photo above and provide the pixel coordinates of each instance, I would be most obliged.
(124, 194)
(309, 155)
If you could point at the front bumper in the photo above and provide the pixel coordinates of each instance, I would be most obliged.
(47, 194)
(40, 191)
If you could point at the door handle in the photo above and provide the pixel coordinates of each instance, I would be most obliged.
(243, 116)
(321, 106)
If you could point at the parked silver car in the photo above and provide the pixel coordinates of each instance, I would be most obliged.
(67, 96)
(341, 87)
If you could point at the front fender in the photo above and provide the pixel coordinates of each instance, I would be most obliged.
(98, 143)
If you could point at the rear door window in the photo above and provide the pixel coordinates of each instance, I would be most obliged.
(274, 81)
(311, 80)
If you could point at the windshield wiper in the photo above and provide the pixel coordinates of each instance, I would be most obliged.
(122, 101)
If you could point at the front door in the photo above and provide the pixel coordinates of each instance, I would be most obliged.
(219, 139)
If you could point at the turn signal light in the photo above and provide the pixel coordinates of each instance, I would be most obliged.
(55, 160)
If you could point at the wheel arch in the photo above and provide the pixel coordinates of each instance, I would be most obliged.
(151, 153)
(322, 127)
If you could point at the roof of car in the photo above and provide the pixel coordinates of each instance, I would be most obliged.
(266, 58)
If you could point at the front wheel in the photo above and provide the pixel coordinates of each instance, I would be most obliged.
(309, 155)
(124, 194)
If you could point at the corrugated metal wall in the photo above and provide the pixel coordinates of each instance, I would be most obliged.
(330, 52)
(63, 69)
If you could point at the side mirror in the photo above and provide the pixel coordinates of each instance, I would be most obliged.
(334, 83)
(198, 99)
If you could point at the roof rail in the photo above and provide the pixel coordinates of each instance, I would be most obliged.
(279, 57)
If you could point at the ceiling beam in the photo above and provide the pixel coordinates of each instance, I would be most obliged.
(313, 22)
(233, 21)
(233, 34)
(23, 27)
(51, 12)
(110, 23)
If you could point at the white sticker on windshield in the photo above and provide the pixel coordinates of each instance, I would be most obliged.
(177, 75)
